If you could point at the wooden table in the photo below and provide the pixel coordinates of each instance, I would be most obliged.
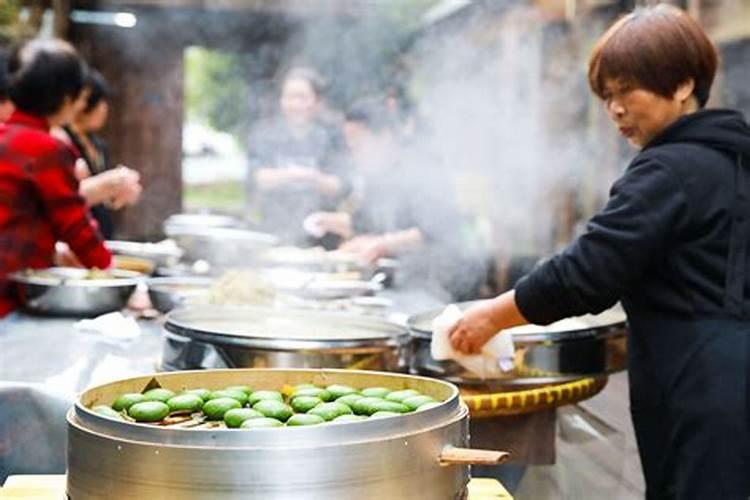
(53, 488)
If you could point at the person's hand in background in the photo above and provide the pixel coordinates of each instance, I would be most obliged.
(319, 223)
(115, 188)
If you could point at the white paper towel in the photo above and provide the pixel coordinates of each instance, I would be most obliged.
(496, 356)
(112, 326)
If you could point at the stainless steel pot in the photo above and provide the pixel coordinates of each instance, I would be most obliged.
(417, 455)
(565, 350)
(65, 291)
(257, 337)
(169, 293)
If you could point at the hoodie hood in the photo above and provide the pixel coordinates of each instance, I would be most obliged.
(717, 128)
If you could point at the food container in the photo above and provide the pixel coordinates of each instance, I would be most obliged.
(424, 456)
(260, 337)
(68, 291)
(566, 350)
(169, 293)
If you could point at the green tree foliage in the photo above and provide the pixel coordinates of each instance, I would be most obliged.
(216, 90)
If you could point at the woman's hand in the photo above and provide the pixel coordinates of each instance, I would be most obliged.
(268, 179)
(64, 256)
(483, 321)
(126, 188)
(115, 188)
(320, 223)
(368, 247)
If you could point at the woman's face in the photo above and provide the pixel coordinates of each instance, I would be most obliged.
(370, 150)
(299, 102)
(6, 109)
(95, 119)
(640, 115)
(80, 101)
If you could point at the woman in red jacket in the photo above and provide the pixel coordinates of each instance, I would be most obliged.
(39, 200)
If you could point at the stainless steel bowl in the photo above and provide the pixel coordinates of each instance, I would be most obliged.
(65, 291)
(258, 337)
(169, 293)
(566, 350)
(399, 458)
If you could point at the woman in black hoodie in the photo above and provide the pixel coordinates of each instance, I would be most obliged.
(673, 244)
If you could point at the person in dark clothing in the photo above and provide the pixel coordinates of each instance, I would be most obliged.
(105, 188)
(394, 210)
(672, 244)
(295, 161)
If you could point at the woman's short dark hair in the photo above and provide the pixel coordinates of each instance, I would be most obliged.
(372, 113)
(309, 75)
(42, 74)
(655, 48)
(99, 89)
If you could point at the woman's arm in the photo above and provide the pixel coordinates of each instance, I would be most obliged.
(645, 211)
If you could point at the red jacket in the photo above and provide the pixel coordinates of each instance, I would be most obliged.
(40, 204)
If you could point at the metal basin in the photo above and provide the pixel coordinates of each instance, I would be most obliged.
(368, 460)
(64, 291)
(588, 345)
(258, 337)
(169, 293)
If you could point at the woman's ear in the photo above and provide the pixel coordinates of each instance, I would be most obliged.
(684, 90)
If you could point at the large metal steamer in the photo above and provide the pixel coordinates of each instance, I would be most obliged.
(585, 346)
(258, 337)
(373, 459)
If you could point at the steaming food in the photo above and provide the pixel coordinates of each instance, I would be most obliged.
(240, 288)
(239, 407)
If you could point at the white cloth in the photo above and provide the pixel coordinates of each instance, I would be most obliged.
(313, 225)
(496, 356)
(111, 325)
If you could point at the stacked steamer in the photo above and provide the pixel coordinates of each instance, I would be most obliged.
(198, 452)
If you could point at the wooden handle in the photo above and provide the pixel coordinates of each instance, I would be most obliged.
(468, 456)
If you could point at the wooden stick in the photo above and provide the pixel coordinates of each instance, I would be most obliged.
(468, 456)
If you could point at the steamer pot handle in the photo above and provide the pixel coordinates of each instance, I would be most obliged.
(468, 456)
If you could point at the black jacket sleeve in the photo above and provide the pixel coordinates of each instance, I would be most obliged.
(621, 243)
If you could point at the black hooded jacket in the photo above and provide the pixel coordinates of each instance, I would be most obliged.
(662, 242)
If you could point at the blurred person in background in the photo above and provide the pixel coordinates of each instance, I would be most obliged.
(39, 199)
(397, 209)
(296, 161)
(673, 245)
(105, 188)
